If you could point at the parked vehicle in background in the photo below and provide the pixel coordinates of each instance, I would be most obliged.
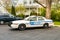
(8, 18)
(31, 21)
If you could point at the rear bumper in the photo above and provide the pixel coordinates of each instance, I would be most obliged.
(51, 24)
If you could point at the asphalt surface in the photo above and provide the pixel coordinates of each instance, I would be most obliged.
(29, 34)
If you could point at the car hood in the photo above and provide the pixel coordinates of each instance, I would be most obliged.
(18, 21)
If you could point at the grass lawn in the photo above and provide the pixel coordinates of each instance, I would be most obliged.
(56, 23)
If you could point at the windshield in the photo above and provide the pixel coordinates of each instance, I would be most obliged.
(26, 18)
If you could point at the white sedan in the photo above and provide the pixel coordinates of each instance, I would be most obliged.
(31, 21)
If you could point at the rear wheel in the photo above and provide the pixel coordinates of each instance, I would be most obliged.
(22, 27)
(46, 25)
(1, 22)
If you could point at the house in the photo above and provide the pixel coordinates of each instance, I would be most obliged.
(29, 5)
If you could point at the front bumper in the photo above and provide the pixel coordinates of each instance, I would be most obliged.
(9, 24)
(14, 26)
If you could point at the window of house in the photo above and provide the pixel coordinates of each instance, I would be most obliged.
(30, 2)
(33, 1)
(25, 2)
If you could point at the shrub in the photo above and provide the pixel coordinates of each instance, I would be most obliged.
(42, 11)
(33, 13)
(55, 14)
(21, 15)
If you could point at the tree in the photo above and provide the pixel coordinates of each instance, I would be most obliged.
(20, 9)
(7, 5)
(48, 7)
(57, 5)
(13, 10)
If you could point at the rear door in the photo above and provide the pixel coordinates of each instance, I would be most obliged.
(40, 21)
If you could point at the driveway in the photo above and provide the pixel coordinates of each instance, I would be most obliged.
(29, 34)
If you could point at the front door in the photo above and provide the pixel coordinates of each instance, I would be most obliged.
(33, 21)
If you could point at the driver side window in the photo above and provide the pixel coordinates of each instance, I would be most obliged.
(32, 19)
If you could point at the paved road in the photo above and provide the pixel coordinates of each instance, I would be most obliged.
(29, 34)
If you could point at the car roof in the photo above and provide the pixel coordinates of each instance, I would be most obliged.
(35, 16)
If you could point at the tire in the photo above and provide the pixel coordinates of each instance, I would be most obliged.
(46, 25)
(22, 27)
(1, 22)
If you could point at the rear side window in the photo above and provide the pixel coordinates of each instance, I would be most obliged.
(40, 18)
(6, 15)
(2, 15)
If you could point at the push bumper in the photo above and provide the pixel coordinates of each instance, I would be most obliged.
(9, 24)
(14, 26)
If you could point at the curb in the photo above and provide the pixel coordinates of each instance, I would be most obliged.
(57, 25)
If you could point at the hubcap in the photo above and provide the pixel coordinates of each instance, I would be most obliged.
(1, 22)
(22, 27)
(45, 25)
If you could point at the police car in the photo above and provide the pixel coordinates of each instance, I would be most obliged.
(31, 21)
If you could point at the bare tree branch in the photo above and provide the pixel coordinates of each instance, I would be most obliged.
(40, 3)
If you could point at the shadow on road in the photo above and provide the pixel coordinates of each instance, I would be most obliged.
(33, 28)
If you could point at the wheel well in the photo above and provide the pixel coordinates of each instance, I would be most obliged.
(46, 23)
(22, 24)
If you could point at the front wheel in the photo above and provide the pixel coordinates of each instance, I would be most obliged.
(46, 25)
(22, 27)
